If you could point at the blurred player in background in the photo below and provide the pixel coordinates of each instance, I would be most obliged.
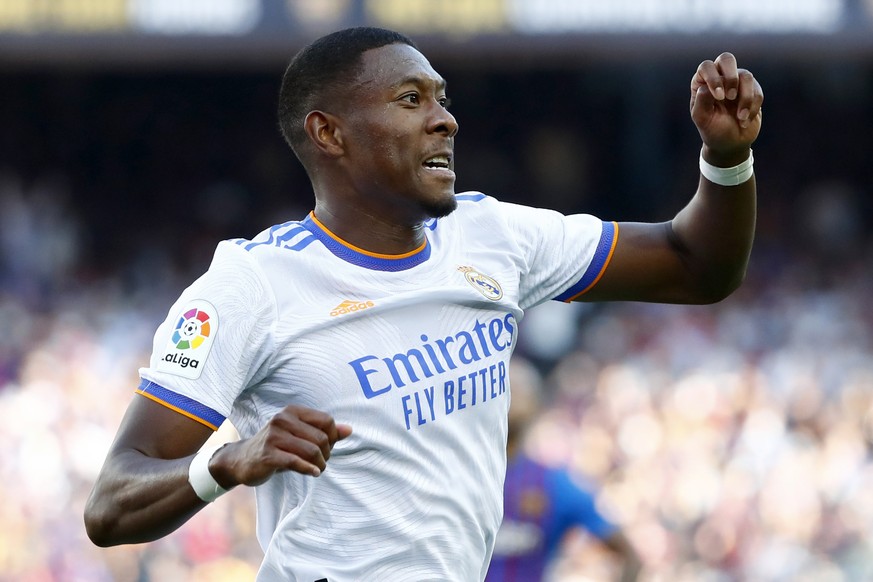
(392, 309)
(542, 504)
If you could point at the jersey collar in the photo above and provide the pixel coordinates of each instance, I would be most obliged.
(358, 256)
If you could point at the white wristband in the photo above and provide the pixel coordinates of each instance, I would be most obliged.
(201, 480)
(733, 176)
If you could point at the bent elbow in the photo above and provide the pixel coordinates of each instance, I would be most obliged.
(97, 531)
(98, 539)
(721, 287)
(99, 524)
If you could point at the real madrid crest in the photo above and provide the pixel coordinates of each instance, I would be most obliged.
(482, 283)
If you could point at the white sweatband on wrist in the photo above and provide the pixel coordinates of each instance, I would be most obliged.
(201, 480)
(733, 176)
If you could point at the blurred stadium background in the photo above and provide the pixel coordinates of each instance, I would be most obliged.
(731, 442)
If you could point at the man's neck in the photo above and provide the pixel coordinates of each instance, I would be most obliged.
(369, 232)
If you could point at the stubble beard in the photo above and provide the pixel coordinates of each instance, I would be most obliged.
(441, 207)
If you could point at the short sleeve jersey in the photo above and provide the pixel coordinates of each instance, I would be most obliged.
(410, 350)
(541, 504)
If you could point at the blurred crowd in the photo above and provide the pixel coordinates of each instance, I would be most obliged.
(730, 442)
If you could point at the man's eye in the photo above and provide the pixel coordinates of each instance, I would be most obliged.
(445, 102)
(411, 98)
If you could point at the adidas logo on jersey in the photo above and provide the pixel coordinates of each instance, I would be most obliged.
(349, 306)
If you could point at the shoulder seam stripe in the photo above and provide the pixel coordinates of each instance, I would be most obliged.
(295, 229)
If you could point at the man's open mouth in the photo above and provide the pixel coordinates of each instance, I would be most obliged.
(441, 161)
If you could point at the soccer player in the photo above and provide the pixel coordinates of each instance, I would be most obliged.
(362, 352)
(542, 504)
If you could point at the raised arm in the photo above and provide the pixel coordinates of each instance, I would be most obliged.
(143, 490)
(701, 255)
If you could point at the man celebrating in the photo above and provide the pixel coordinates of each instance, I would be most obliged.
(392, 309)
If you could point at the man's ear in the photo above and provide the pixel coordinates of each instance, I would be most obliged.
(324, 133)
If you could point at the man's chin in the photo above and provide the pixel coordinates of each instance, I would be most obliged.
(440, 207)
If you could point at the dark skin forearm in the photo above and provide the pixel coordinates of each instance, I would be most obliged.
(140, 499)
(713, 234)
(699, 257)
(142, 492)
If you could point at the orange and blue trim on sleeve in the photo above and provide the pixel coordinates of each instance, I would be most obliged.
(595, 270)
(181, 404)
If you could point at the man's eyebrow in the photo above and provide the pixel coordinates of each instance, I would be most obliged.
(421, 81)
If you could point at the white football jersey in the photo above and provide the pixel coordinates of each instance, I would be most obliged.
(412, 351)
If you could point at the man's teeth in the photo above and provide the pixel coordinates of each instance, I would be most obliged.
(438, 162)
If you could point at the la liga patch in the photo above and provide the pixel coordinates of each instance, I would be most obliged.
(190, 341)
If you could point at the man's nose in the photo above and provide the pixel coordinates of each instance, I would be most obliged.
(444, 121)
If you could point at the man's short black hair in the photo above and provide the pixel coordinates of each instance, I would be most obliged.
(328, 64)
